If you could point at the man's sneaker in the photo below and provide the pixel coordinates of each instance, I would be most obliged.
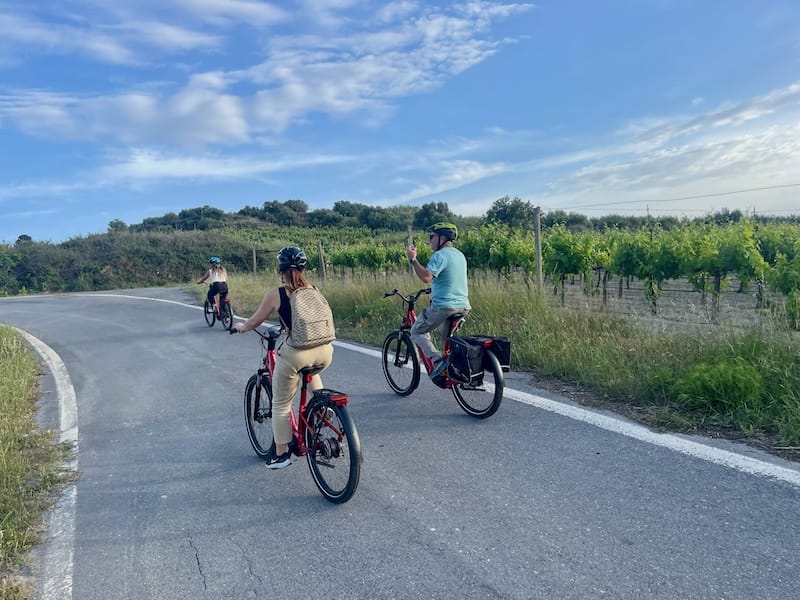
(438, 368)
(279, 462)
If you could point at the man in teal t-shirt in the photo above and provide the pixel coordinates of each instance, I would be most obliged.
(447, 273)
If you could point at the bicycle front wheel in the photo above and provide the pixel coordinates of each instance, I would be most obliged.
(227, 316)
(482, 401)
(208, 312)
(258, 414)
(333, 450)
(400, 363)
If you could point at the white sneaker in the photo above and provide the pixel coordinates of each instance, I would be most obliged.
(280, 462)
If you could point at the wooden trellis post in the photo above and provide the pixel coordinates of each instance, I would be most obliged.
(537, 240)
(321, 260)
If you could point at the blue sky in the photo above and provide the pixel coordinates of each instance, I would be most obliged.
(127, 109)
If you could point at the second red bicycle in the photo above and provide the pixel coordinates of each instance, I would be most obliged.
(479, 394)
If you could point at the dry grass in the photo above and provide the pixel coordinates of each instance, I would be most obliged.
(30, 463)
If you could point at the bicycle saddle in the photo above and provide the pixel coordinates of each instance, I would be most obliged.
(311, 369)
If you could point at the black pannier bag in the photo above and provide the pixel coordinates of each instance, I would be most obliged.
(500, 346)
(466, 361)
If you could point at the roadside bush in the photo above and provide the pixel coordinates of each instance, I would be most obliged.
(729, 392)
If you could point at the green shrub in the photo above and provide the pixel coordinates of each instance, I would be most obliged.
(729, 391)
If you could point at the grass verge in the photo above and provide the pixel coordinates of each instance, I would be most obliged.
(30, 464)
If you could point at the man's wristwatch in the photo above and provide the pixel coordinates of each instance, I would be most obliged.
(412, 260)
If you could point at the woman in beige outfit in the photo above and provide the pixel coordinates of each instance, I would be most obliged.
(292, 262)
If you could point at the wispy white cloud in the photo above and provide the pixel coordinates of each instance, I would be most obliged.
(742, 146)
(167, 36)
(450, 176)
(41, 37)
(143, 165)
(242, 11)
(750, 144)
(197, 115)
(359, 72)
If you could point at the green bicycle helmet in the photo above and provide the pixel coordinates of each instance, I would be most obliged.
(448, 230)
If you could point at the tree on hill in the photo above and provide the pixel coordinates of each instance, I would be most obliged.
(431, 213)
(324, 217)
(288, 214)
(117, 225)
(515, 213)
(572, 221)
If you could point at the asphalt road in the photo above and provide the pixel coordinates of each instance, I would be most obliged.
(172, 503)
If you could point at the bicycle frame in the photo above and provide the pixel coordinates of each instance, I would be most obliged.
(299, 423)
(217, 309)
(411, 317)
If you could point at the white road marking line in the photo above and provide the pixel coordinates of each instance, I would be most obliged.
(57, 565)
(718, 456)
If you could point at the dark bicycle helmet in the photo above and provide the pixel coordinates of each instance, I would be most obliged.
(214, 260)
(292, 257)
(448, 230)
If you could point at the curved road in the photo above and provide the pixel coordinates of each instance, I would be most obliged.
(543, 500)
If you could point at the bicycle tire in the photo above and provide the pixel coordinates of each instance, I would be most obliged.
(258, 414)
(208, 312)
(226, 318)
(398, 350)
(484, 400)
(333, 450)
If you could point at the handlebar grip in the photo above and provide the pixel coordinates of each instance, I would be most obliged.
(233, 330)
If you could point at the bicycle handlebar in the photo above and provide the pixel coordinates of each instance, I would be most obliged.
(411, 297)
(272, 333)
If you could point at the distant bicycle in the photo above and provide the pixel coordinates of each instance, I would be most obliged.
(475, 363)
(216, 312)
(323, 430)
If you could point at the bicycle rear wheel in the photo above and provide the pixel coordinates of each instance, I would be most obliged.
(258, 414)
(333, 450)
(400, 363)
(482, 401)
(227, 316)
(208, 312)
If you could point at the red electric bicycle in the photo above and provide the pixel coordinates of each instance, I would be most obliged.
(218, 312)
(323, 430)
(479, 392)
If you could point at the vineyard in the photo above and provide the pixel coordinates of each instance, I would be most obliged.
(704, 272)
(707, 274)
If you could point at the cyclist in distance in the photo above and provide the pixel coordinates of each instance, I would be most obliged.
(446, 271)
(292, 262)
(219, 280)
